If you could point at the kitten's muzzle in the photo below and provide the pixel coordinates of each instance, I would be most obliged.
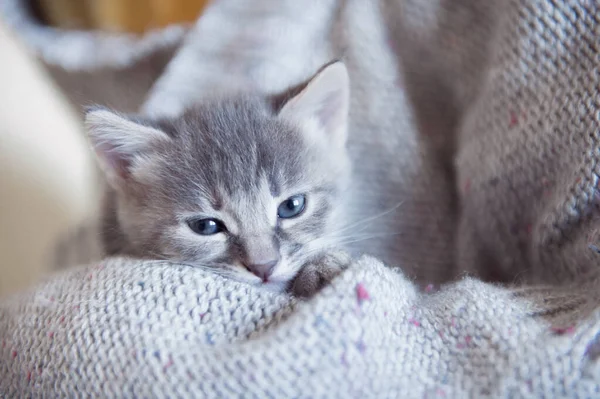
(260, 255)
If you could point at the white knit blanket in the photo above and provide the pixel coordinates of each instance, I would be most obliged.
(480, 117)
(144, 330)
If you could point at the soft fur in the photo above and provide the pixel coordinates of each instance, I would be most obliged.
(234, 159)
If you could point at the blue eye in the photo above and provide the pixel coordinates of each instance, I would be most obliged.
(291, 207)
(206, 227)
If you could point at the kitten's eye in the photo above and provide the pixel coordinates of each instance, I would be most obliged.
(291, 207)
(206, 227)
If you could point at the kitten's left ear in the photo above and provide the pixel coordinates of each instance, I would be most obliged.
(325, 101)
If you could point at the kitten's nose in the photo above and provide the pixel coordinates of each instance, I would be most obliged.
(262, 269)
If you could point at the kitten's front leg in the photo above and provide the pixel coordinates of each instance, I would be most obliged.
(317, 273)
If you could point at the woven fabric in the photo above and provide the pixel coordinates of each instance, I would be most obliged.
(475, 135)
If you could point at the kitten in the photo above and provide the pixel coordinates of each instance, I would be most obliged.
(248, 186)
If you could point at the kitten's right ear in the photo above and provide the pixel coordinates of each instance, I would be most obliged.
(118, 141)
(323, 103)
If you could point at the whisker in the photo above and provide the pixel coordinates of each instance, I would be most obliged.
(207, 266)
(349, 238)
(369, 219)
(332, 242)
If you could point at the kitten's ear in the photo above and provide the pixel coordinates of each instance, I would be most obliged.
(324, 100)
(118, 141)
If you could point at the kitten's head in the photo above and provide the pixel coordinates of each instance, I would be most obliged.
(236, 185)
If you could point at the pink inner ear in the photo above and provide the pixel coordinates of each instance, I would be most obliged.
(117, 161)
(329, 109)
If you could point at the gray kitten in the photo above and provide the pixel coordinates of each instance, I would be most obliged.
(247, 186)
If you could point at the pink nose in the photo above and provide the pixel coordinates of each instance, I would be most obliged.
(262, 269)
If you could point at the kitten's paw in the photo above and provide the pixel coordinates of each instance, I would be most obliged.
(319, 272)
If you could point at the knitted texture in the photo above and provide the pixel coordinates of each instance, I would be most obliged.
(479, 118)
(134, 329)
(529, 152)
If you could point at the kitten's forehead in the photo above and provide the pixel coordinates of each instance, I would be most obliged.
(230, 148)
(251, 212)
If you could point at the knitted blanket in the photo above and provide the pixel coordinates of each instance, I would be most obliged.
(480, 118)
(145, 330)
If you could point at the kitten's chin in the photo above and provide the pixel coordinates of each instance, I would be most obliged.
(276, 286)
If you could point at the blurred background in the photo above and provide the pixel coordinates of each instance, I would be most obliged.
(57, 57)
(133, 16)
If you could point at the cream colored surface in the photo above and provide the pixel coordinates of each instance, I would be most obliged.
(46, 173)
